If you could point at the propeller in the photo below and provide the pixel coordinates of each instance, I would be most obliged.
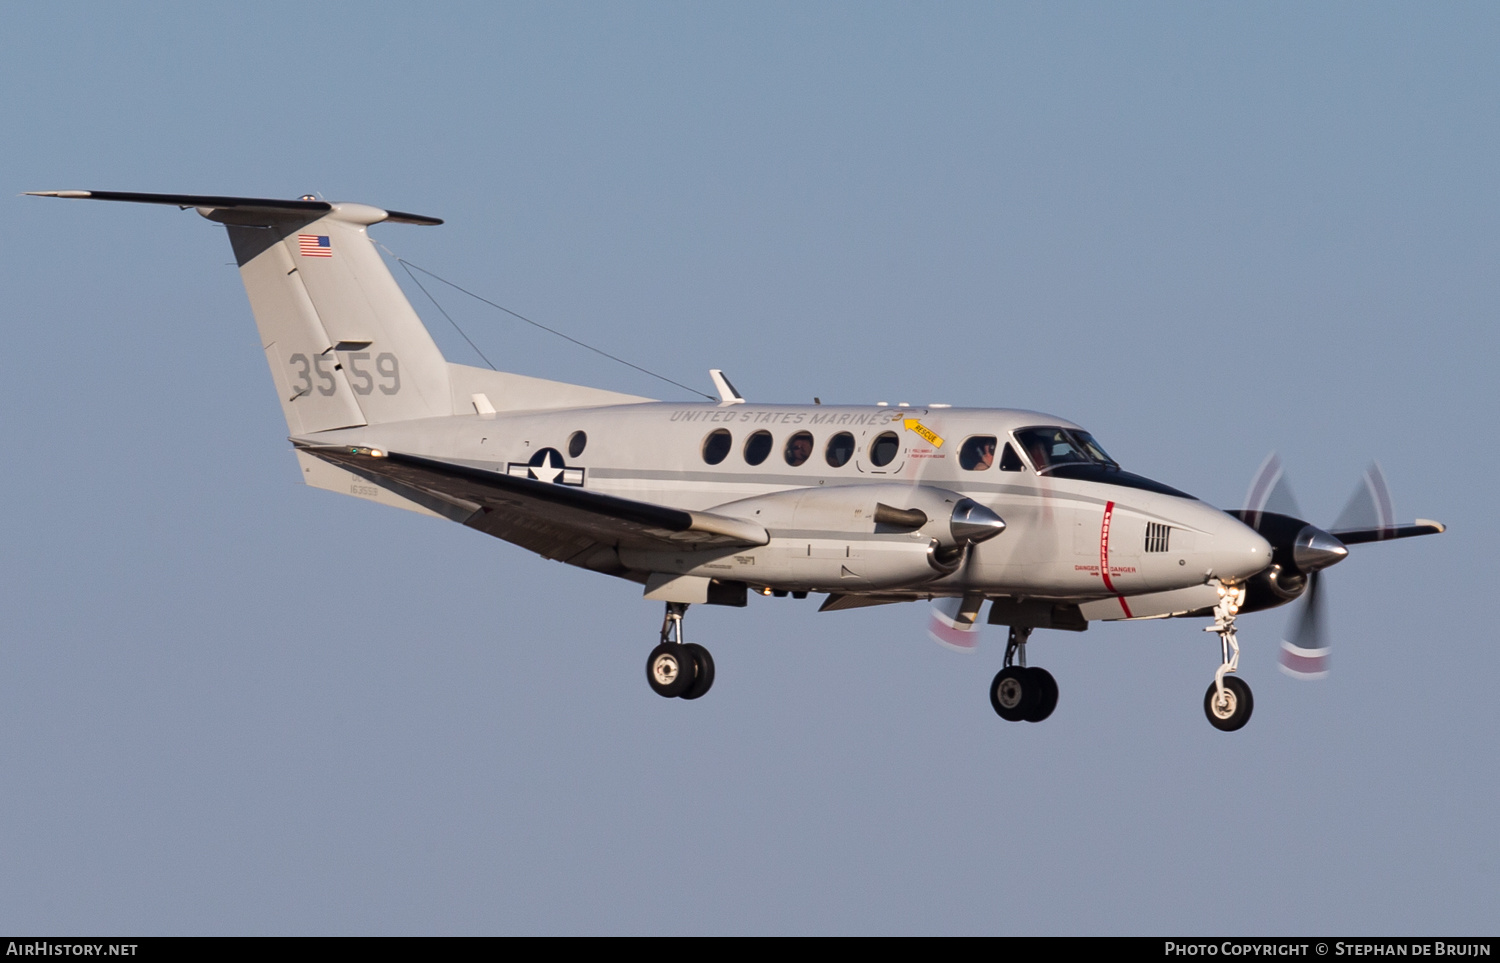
(953, 623)
(1301, 551)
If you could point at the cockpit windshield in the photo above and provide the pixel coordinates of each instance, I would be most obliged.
(1074, 454)
(1051, 447)
(1096, 452)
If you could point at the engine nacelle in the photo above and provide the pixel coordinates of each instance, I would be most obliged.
(1298, 550)
(840, 538)
(1275, 586)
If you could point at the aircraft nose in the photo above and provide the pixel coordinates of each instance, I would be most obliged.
(1238, 550)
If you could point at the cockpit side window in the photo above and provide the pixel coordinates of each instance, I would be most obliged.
(1009, 460)
(977, 453)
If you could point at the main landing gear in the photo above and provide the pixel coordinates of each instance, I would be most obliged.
(678, 669)
(1228, 702)
(1020, 693)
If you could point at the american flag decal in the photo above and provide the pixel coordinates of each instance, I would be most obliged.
(315, 245)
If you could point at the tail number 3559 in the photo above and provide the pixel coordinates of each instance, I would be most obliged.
(386, 376)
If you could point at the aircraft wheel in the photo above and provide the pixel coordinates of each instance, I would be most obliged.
(1046, 694)
(1236, 710)
(669, 670)
(703, 671)
(1012, 693)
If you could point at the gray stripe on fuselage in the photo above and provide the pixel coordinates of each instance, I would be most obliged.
(804, 481)
(961, 485)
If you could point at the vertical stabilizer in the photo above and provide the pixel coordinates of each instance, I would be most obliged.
(343, 343)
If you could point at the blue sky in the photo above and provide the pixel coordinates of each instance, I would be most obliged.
(232, 704)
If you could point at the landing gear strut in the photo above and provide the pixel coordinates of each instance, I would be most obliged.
(678, 669)
(1020, 693)
(1228, 702)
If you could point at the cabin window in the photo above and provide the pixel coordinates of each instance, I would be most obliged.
(576, 443)
(799, 448)
(884, 448)
(757, 447)
(1009, 460)
(977, 453)
(716, 446)
(840, 449)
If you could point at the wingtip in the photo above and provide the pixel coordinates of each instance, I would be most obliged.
(57, 193)
(1441, 528)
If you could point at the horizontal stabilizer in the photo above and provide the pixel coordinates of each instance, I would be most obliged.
(215, 202)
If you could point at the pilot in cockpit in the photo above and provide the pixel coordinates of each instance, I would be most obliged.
(1038, 452)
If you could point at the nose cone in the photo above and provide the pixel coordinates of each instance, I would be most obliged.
(1238, 551)
(972, 522)
(1316, 549)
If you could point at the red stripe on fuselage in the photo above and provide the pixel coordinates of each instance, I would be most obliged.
(1109, 511)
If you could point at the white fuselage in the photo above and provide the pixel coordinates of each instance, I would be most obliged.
(1065, 539)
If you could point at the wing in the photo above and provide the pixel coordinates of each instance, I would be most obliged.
(561, 522)
(1356, 536)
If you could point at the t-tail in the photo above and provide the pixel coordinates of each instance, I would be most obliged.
(344, 345)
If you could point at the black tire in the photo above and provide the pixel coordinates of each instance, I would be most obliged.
(1046, 694)
(703, 671)
(1237, 712)
(669, 670)
(1012, 693)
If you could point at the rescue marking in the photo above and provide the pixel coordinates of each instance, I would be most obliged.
(913, 425)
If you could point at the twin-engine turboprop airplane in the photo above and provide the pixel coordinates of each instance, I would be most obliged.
(708, 502)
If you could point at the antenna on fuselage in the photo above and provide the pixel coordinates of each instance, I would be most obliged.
(727, 393)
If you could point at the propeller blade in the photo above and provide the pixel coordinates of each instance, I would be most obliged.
(1270, 492)
(1369, 508)
(1304, 655)
(954, 623)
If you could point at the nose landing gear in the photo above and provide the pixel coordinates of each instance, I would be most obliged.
(1228, 702)
(677, 669)
(1020, 693)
